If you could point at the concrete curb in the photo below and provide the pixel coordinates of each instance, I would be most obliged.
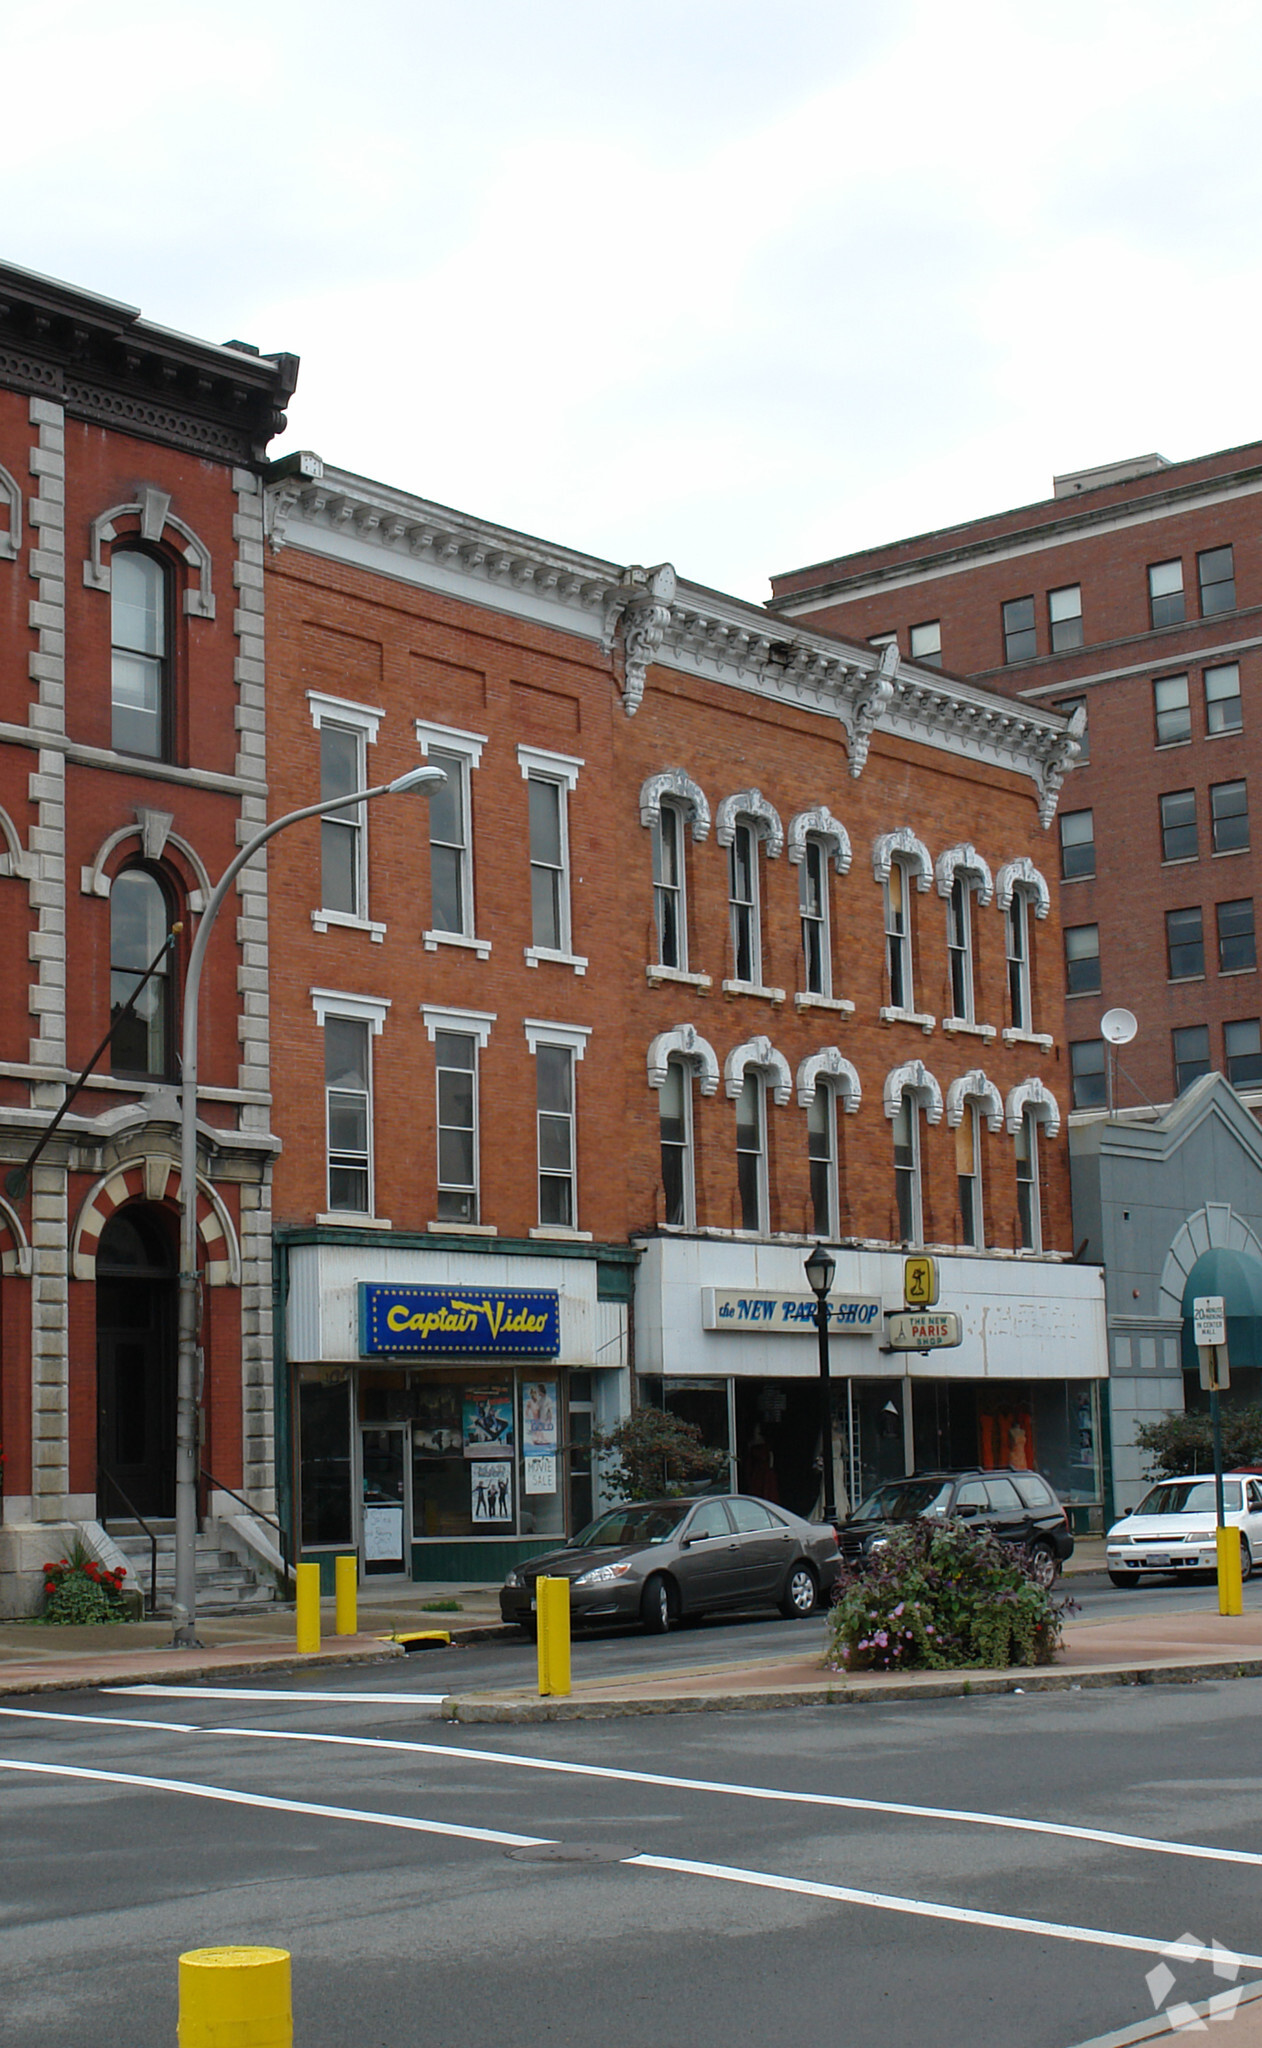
(1158, 2028)
(840, 1693)
(18, 1684)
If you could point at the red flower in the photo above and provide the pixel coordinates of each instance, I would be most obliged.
(50, 1585)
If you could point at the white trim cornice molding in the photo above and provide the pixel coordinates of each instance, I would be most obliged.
(828, 1069)
(966, 860)
(974, 1087)
(348, 518)
(914, 852)
(913, 1078)
(760, 1054)
(1022, 874)
(674, 782)
(819, 824)
(1034, 1096)
(765, 819)
(685, 1043)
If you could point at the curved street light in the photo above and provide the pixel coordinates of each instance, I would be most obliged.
(184, 1602)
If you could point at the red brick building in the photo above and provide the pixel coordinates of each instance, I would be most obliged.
(132, 761)
(1132, 595)
(720, 938)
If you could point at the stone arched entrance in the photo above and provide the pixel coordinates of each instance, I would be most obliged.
(136, 1362)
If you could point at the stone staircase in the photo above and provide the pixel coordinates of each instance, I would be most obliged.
(225, 1583)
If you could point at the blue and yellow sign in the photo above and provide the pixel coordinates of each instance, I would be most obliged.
(447, 1322)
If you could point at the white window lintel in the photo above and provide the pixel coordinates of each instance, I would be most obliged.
(540, 1032)
(341, 711)
(450, 740)
(556, 767)
(473, 1023)
(336, 1002)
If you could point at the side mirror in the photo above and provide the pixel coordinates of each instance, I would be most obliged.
(967, 1507)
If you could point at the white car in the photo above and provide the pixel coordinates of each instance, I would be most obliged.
(1173, 1528)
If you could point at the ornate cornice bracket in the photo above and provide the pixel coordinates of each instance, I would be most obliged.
(1058, 760)
(869, 705)
(641, 605)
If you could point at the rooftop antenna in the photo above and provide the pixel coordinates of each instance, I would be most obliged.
(1117, 1027)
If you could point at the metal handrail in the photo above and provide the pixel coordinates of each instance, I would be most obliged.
(103, 1472)
(261, 1515)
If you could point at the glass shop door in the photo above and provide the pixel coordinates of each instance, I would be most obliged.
(386, 1510)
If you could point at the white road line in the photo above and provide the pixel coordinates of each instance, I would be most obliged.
(240, 1692)
(886, 1902)
(1015, 1823)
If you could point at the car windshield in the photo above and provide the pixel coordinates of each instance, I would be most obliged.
(650, 1522)
(906, 1501)
(1189, 1497)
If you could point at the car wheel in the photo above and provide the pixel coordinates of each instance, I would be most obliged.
(1246, 1558)
(656, 1606)
(1044, 1565)
(800, 1592)
(1124, 1578)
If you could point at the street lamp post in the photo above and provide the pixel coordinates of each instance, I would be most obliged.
(820, 1268)
(184, 1603)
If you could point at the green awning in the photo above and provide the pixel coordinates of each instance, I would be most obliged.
(1237, 1276)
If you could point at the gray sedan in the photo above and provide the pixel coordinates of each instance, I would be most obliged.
(662, 1560)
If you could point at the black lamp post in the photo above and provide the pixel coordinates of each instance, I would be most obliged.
(820, 1268)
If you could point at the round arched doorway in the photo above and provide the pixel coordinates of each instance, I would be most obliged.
(136, 1364)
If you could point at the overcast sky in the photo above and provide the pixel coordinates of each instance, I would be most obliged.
(734, 283)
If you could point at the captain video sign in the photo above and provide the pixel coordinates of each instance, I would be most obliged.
(458, 1322)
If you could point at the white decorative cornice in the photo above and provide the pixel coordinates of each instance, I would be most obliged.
(673, 782)
(11, 534)
(913, 1078)
(643, 610)
(828, 1069)
(974, 1087)
(760, 1054)
(964, 860)
(913, 852)
(684, 1043)
(153, 509)
(819, 824)
(1038, 1100)
(1022, 874)
(765, 819)
(333, 513)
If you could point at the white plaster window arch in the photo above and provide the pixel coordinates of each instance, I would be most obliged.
(1215, 1225)
(153, 836)
(158, 525)
(1032, 1098)
(903, 845)
(913, 1078)
(15, 1249)
(965, 860)
(829, 1069)
(820, 824)
(752, 806)
(677, 786)
(758, 1055)
(1022, 874)
(11, 533)
(683, 1043)
(156, 1179)
(14, 860)
(974, 1087)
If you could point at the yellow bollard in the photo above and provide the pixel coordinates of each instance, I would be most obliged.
(553, 1614)
(1230, 1587)
(235, 1997)
(346, 1583)
(307, 1584)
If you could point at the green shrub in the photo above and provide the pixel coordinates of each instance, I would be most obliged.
(940, 1594)
(654, 1453)
(78, 1589)
(1181, 1443)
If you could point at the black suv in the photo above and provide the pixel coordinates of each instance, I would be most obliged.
(1018, 1507)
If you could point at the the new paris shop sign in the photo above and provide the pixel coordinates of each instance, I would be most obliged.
(453, 1322)
(724, 1308)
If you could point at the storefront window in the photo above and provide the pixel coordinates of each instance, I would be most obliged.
(1047, 1426)
(324, 1421)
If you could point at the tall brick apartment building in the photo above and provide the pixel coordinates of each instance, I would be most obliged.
(721, 937)
(1133, 595)
(131, 764)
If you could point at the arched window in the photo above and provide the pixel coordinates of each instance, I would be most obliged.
(675, 1112)
(1029, 1205)
(751, 1152)
(670, 899)
(908, 1188)
(140, 919)
(139, 665)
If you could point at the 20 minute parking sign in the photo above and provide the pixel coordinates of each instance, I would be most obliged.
(1209, 1319)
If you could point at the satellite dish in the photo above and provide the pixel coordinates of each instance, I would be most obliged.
(1119, 1026)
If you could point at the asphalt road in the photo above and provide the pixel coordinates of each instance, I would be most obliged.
(429, 1908)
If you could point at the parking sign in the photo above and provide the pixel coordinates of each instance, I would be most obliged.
(1209, 1319)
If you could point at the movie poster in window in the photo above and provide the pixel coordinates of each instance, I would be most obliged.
(488, 1422)
(436, 1423)
(491, 1490)
(539, 1417)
